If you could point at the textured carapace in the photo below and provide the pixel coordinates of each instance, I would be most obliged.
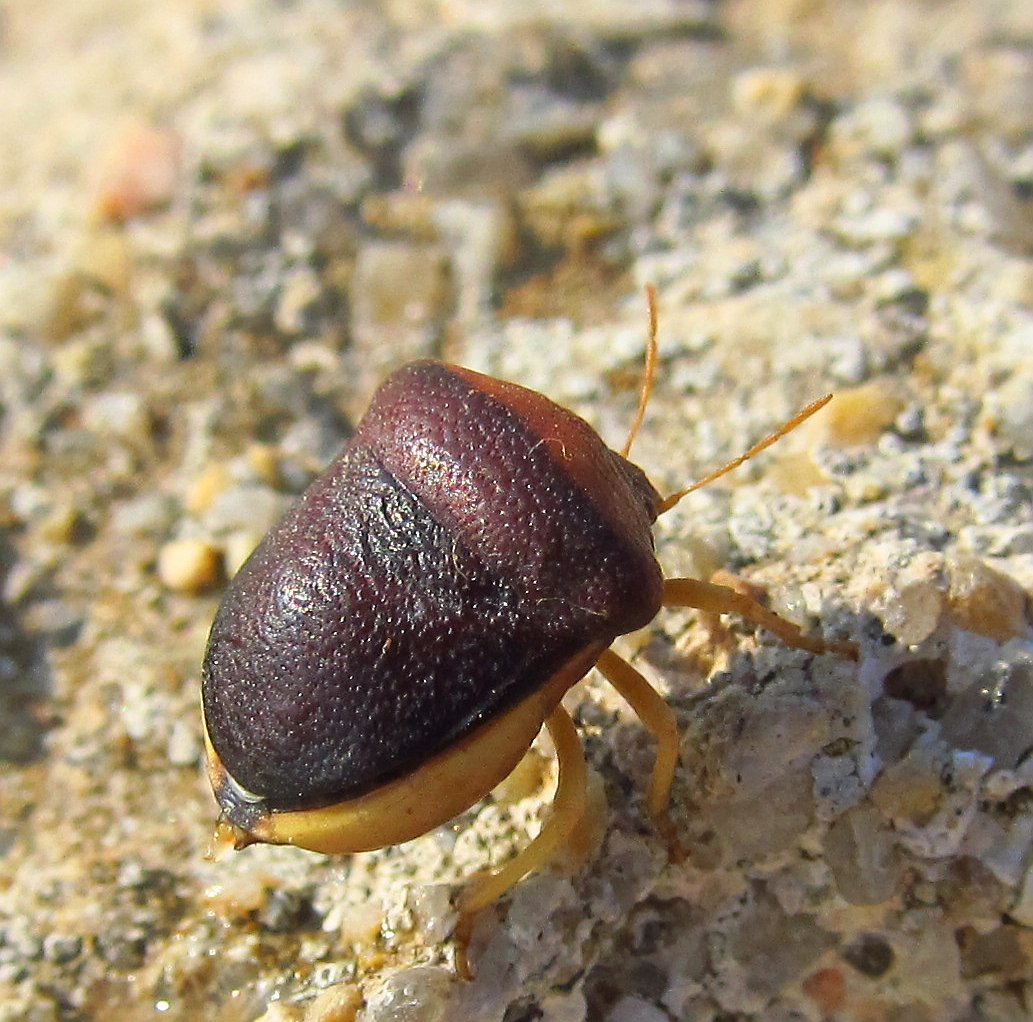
(471, 538)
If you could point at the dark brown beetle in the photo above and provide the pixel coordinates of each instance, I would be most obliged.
(390, 651)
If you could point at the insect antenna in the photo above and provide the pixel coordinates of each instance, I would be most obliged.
(787, 427)
(647, 375)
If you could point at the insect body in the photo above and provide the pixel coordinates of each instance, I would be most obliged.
(391, 649)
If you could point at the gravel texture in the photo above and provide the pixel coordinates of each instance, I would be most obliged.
(222, 222)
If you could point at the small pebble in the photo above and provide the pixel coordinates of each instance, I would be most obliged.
(278, 1012)
(117, 413)
(61, 525)
(861, 415)
(149, 514)
(237, 548)
(264, 461)
(910, 423)
(827, 988)
(910, 790)
(1010, 413)
(878, 127)
(1000, 953)
(138, 171)
(189, 565)
(859, 849)
(61, 948)
(202, 492)
(398, 283)
(301, 290)
(849, 360)
(184, 746)
(432, 911)
(340, 1003)
(1000, 80)
(869, 954)
(771, 93)
(634, 1009)
(418, 994)
(248, 507)
(986, 601)
(1022, 909)
(910, 607)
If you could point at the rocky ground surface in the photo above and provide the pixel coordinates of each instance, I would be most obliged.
(222, 221)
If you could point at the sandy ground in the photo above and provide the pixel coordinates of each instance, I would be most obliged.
(222, 223)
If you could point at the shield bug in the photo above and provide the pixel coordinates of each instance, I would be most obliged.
(393, 646)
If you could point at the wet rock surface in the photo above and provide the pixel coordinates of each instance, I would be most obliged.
(205, 272)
